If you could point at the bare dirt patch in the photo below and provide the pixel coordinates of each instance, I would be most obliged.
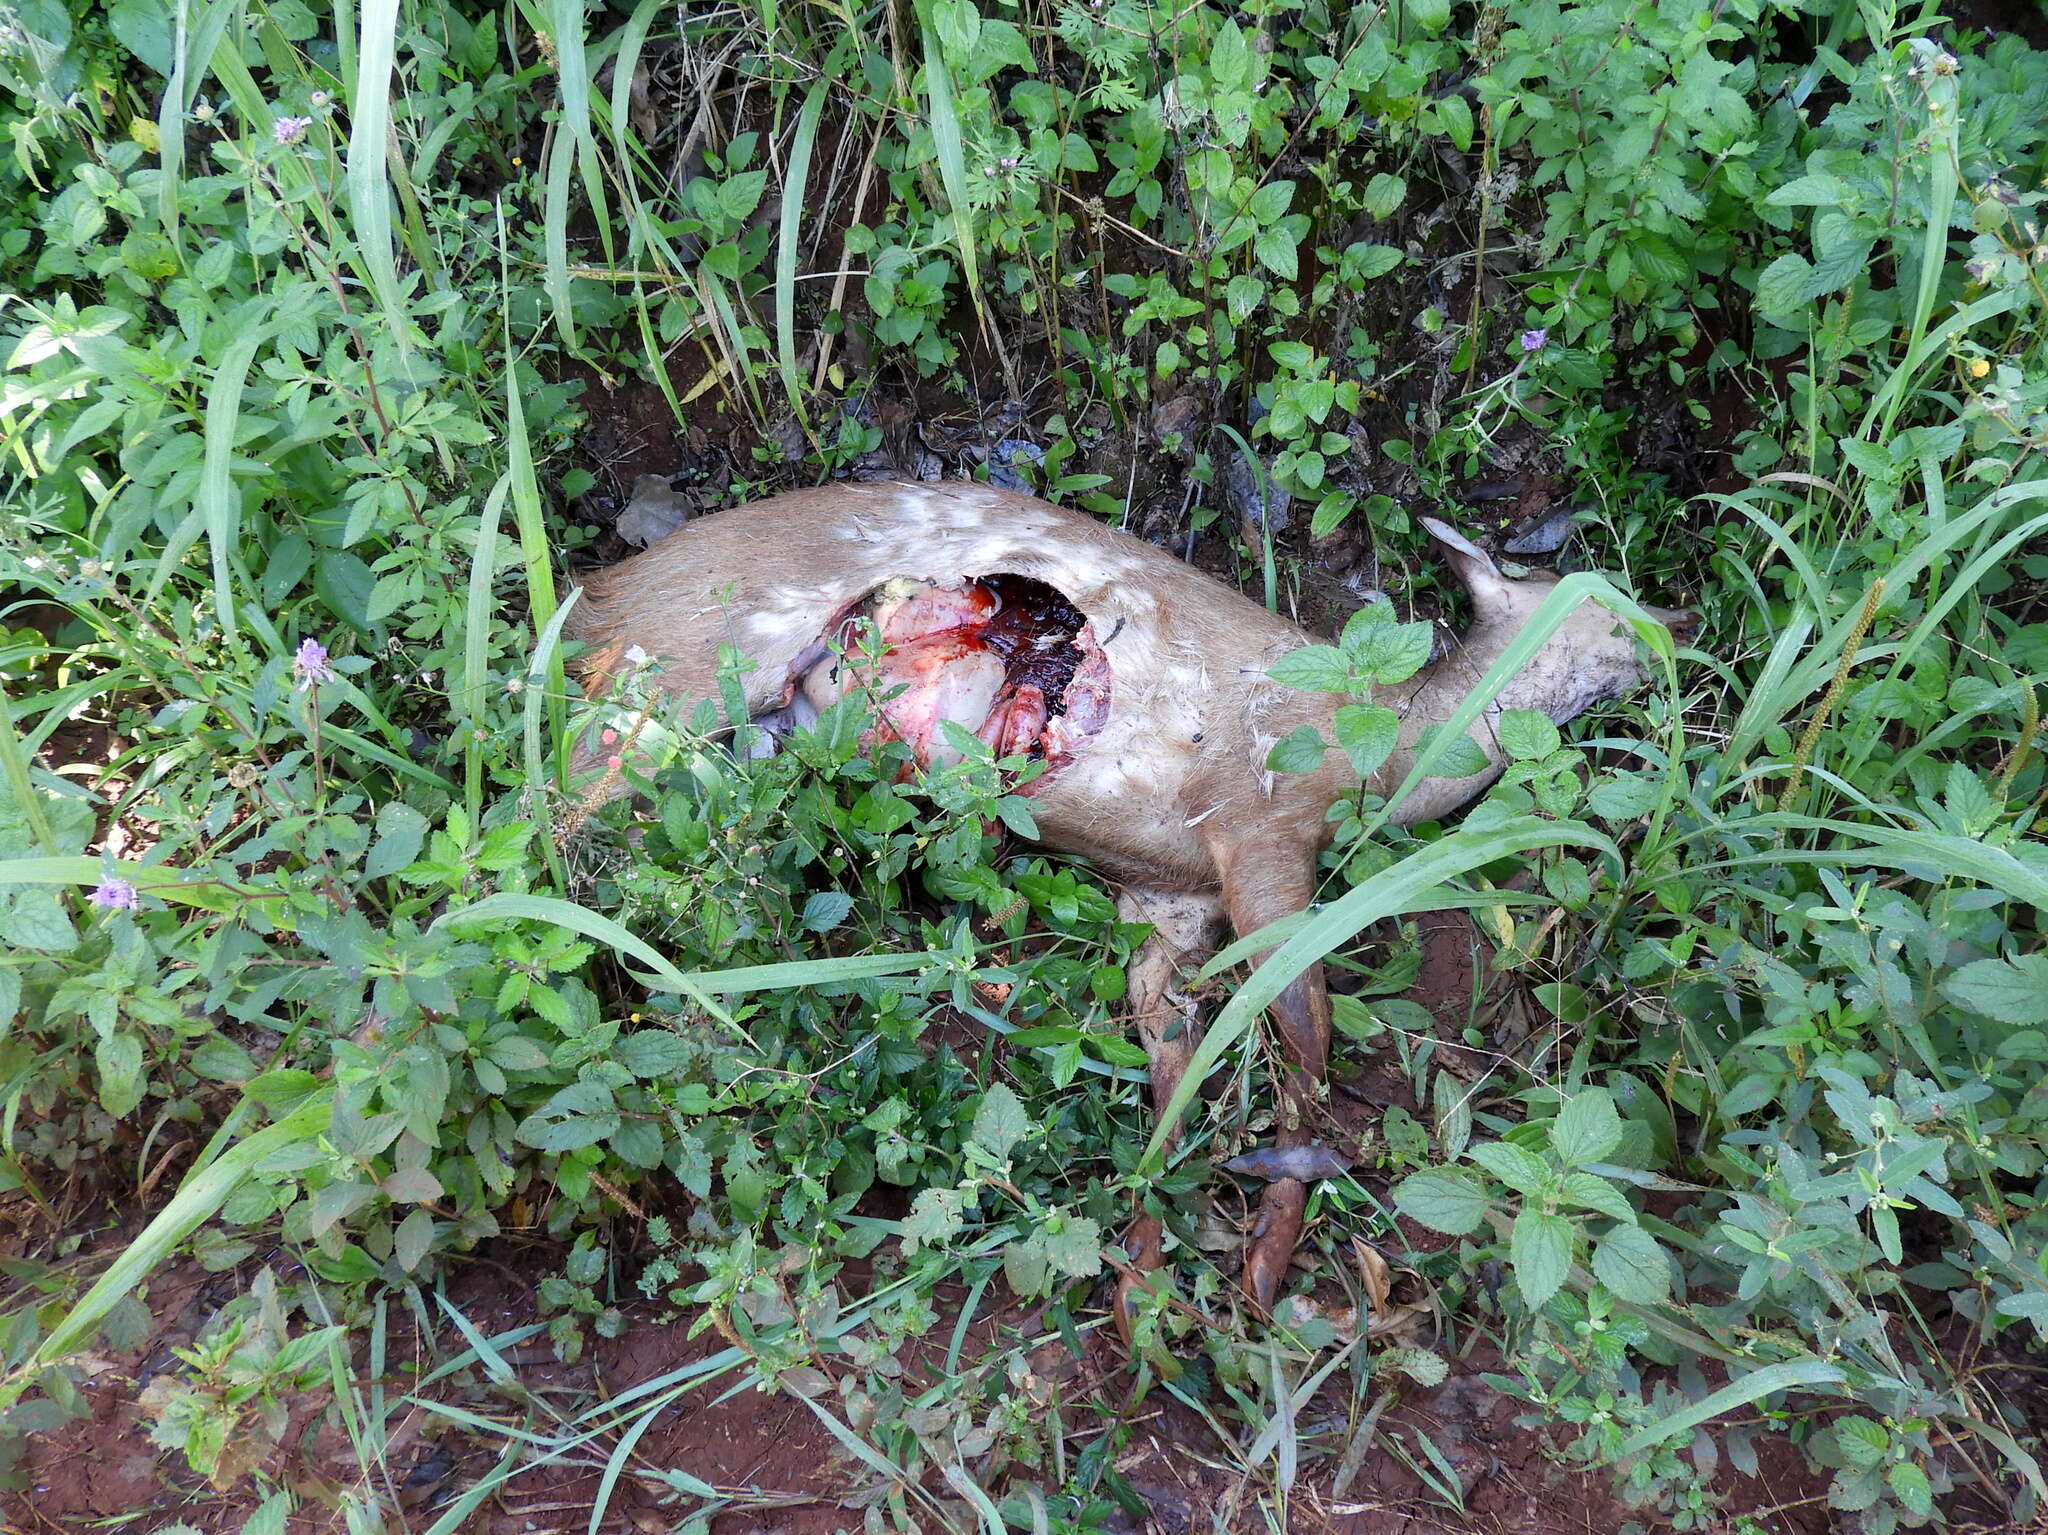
(788, 1475)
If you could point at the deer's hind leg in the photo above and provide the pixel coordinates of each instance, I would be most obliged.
(1263, 881)
(1184, 927)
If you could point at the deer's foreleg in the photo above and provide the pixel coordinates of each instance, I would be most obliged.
(1265, 879)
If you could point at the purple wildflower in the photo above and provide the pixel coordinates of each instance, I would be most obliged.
(289, 130)
(1532, 340)
(116, 895)
(311, 665)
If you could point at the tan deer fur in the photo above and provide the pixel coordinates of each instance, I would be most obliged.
(1172, 798)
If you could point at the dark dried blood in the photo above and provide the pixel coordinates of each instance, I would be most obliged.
(1035, 632)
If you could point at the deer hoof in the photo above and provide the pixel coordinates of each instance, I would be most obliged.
(1274, 1239)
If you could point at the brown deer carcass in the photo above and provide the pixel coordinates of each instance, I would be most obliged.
(1140, 682)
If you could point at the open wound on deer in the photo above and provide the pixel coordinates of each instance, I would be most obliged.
(1009, 660)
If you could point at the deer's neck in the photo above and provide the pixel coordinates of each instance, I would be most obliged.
(1431, 697)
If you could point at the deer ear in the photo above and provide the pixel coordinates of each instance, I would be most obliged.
(1481, 577)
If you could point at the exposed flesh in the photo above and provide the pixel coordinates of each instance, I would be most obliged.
(1007, 659)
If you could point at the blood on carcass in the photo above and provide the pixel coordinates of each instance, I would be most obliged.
(1007, 658)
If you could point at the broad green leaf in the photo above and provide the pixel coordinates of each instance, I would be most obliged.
(2012, 991)
(413, 1239)
(1781, 286)
(1526, 735)
(143, 27)
(1322, 668)
(638, 1142)
(518, 1052)
(1384, 194)
(1419, 1365)
(1862, 1440)
(2031, 1304)
(1540, 1252)
(220, 1059)
(1386, 652)
(1911, 1487)
(1818, 190)
(1376, 260)
(825, 910)
(337, 1202)
(1630, 1263)
(1367, 734)
(1457, 757)
(1299, 751)
(1443, 1200)
(1587, 1128)
(1453, 111)
(118, 1058)
(1520, 1170)
(1230, 58)
(1275, 249)
(1000, 1123)
(401, 831)
(651, 1053)
(1075, 1250)
(934, 1218)
(1625, 797)
(1271, 202)
(1591, 1192)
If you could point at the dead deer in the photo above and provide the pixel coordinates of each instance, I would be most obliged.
(1140, 682)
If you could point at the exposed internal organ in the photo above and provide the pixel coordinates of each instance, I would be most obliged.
(1006, 658)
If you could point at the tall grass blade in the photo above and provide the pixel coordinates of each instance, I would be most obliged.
(1940, 84)
(699, 988)
(163, 881)
(529, 518)
(540, 741)
(198, 1197)
(788, 242)
(14, 762)
(572, 126)
(456, 1517)
(369, 161)
(198, 26)
(220, 503)
(945, 126)
(476, 643)
(1918, 854)
(1264, 482)
(1789, 1375)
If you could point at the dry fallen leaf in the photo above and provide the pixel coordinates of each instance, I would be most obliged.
(1374, 1273)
